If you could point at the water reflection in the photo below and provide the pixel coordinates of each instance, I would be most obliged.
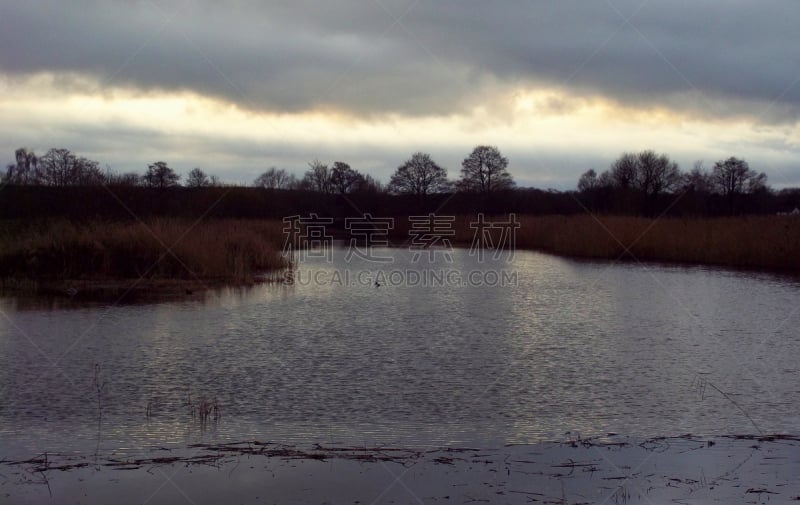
(567, 346)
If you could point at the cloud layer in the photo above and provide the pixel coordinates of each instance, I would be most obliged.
(412, 57)
(722, 73)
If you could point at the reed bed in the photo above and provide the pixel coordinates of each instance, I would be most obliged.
(238, 251)
(755, 242)
(758, 242)
(226, 250)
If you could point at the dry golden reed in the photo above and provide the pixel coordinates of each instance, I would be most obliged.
(761, 242)
(227, 250)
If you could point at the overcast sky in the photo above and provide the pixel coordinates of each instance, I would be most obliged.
(235, 87)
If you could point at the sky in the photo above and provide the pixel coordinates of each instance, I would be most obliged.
(236, 87)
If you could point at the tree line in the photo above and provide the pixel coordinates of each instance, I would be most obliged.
(485, 170)
(61, 167)
(643, 183)
(639, 182)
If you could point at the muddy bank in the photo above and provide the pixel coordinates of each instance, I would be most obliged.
(688, 469)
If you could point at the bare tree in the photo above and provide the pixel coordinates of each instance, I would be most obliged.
(56, 167)
(641, 177)
(126, 179)
(698, 179)
(371, 185)
(317, 177)
(605, 180)
(159, 175)
(25, 170)
(623, 172)
(274, 178)
(87, 173)
(484, 171)
(60, 167)
(734, 177)
(656, 174)
(588, 181)
(344, 179)
(419, 175)
(197, 179)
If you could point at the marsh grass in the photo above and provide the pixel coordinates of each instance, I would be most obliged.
(762, 242)
(224, 250)
(752, 242)
(244, 251)
(204, 410)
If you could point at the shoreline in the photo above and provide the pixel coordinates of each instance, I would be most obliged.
(612, 469)
(103, 260)
(101, 290)
(130, 290)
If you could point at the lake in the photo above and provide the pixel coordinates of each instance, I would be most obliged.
(449, 350)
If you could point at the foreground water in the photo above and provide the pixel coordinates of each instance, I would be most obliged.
(615, 470)
(450, 352)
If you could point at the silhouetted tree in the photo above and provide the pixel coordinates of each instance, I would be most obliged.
(484, 171)
(588, 181)
(595, 192)
(126, 179)
(87, 173)
(695, 189)
(56, 167)
(605, 180)
(317, 178)
(344, 179)
(420, 176)
(734, 177)
(623, 172)
(697, 179)
(197, 179)
(371, 185)
(60, 167)
(656, 174)
(159, 175)
(639, 179)
(25, 170)
(275, 178)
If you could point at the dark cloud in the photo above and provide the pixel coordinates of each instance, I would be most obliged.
(718, 58)
(408, 57)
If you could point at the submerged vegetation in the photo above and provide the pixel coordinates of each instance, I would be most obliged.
(225, 250)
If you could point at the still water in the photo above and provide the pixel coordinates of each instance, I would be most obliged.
(453, 351)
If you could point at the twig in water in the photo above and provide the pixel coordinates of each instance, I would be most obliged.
(702, 382)
(46, 481)
(98, 386)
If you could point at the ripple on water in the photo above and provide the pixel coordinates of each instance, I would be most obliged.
(574, 346)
